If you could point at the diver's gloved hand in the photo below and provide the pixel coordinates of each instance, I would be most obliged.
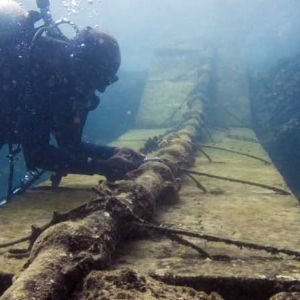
(130, 155)
(123, 161)
(117, 167)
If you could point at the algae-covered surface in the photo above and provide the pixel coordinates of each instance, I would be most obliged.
(35, 207)
(136, 138)
(159, 92)
(172, 76)
(127, 284)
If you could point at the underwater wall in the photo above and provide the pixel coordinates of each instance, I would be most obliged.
(172, 77)
(275, 99)
(231, 96)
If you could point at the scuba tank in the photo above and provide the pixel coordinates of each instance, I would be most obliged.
(44, 7)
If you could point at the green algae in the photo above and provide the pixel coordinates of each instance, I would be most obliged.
(153, 113)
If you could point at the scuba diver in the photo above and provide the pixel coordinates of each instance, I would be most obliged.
(48, 85)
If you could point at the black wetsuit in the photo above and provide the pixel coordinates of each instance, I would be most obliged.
(40, 97)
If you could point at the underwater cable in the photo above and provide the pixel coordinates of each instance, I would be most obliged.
(186, 171)
(212, 238)
(264, 186)
(232, 151)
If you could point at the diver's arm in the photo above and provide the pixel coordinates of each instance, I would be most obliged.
(51, 158)
(39, 153)
(81, 158)
(48, 157)
(68, 133)
(71, 156)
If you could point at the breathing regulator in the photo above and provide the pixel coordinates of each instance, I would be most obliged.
(50, 26)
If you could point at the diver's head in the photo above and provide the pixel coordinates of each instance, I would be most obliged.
(12, 17)
(99, 57)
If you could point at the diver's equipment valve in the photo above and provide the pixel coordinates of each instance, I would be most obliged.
(50, 26)
(43, 4)
(44, 7)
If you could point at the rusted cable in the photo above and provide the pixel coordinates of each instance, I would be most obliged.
(205, 154)
(232, 151)
(264, 186)
(15, 242)
(211, 238)
(184, 242)
(197, 182)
